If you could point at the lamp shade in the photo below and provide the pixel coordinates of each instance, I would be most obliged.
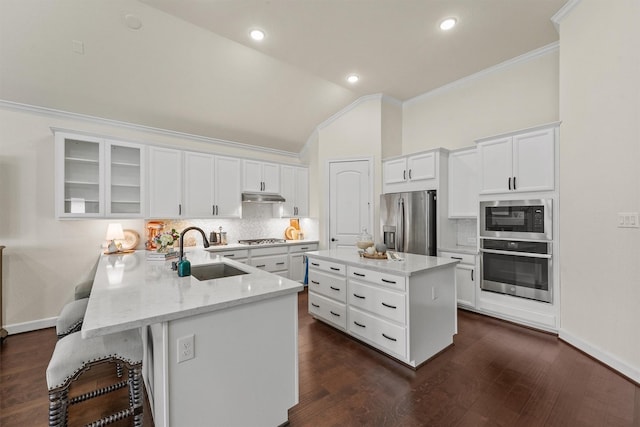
(114, 232)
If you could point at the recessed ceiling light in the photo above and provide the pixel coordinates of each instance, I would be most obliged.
(353, 78)
(257, 34)
(448, 24)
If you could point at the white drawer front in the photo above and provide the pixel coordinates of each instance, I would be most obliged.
(381, 302)
(328, 284)
(272, 250)
(239, 254)
(329, 310)
(463, 258)
(384, 335)
(303, 248)
(331, 267)
(271, 263)
(383, 279)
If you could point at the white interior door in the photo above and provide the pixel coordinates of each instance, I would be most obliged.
(350, 202)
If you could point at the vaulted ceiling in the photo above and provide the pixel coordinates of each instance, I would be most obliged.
(189, 65)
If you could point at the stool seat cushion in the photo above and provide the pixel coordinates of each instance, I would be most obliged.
(72, 353)
(83, 290)
(71, 315)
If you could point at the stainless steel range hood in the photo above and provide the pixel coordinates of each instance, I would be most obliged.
(262, 198)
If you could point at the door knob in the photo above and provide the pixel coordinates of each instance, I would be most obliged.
(333, 239)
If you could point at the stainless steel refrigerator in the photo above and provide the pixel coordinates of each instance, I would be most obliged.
(408, 222)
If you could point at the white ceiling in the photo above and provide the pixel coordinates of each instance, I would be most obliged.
(192, 68)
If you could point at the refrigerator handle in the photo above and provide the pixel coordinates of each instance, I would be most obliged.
(400, 226)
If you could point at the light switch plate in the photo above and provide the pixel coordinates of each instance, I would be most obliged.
(628, 220)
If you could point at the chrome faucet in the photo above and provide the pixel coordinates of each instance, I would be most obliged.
(177, 265)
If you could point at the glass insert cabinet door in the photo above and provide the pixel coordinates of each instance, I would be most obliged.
(97, 177)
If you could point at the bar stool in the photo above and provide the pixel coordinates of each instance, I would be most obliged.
(73, 356)
(71, 317)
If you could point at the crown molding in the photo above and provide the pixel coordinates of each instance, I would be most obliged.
(563, 12)
(133, 126)
(545, 50)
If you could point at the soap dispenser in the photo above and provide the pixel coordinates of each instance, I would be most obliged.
(184, 267)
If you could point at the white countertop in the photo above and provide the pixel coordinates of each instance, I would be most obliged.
(129, 291)
(410, 264)
(234, 246)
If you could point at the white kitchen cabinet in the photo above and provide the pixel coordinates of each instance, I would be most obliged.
(165, 183)
(411, 173)
(273, 259)
(96, 177)
(466, 278)
(294, 185)
(211, 186)
(297, 263)
(260, 177)
(463, 183)
(516, 163)
(327, 292)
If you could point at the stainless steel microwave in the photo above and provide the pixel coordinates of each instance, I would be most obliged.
(517, 219)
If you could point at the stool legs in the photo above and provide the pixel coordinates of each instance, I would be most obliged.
(58, 404)
(135, 394)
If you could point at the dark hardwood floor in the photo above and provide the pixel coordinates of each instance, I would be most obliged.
(496, 374)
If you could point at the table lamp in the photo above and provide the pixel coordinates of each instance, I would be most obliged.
(114, 232)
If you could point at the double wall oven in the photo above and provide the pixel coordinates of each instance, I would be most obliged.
(516, 240)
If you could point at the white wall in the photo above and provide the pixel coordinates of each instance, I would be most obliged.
(599, 177)
(45, 258)
(508, 98)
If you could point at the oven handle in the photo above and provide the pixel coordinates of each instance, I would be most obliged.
(526, 254)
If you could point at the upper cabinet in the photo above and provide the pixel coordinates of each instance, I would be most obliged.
(411, 173)
(294, 183)
(96, 177)
(463, 183)
(521, 162)
(165, 183)
(260, 177)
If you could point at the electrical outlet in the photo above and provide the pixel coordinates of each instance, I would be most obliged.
(186, 349)
(628, 220)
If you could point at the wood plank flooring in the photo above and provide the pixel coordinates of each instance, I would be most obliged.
(496, 374)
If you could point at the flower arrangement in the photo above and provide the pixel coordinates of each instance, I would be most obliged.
(165, 240)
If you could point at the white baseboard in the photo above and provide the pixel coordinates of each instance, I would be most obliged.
(18, 328)
(631, 372)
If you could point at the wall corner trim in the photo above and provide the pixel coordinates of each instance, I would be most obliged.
(563, 12)
(603, 356)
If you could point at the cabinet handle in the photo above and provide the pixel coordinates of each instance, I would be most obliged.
(335, 289)
(388, 281)
(389, 306)
(509, 183)
(335, 314)
(315, 264)
(472, 279)
(359, 324)
(229, 255)
(409, 173)
(179, 208)
(315, 305)
(514, 183)
(279, 263)
(305, 248)
(216, 209)
(404, 174)
(389, 338)
(213, 209)
(315, 283)
(335, 268)
(260, 266)
(358, 274)
(359, 296)
(457, 257)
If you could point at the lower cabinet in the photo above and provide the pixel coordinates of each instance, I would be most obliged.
(298, 261)
(273, 259)
(466, 278)
(409, 318)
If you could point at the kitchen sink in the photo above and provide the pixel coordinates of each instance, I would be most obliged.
(215, 271)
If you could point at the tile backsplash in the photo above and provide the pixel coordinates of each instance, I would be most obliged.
(257, 222)
(466, 232)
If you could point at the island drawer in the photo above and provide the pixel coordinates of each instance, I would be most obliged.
(382, 279)
(303, 248)
(381, 302)
(328, 284)
(270, 263)
(384, 335)
(329, 266)
(331, 311)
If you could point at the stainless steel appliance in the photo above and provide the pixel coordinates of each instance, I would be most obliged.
(517, 219)
(408, 222)
(517, 267)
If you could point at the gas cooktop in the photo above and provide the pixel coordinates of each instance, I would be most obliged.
(261, 241)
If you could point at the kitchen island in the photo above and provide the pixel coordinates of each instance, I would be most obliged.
(405, 308)
(218, 351)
